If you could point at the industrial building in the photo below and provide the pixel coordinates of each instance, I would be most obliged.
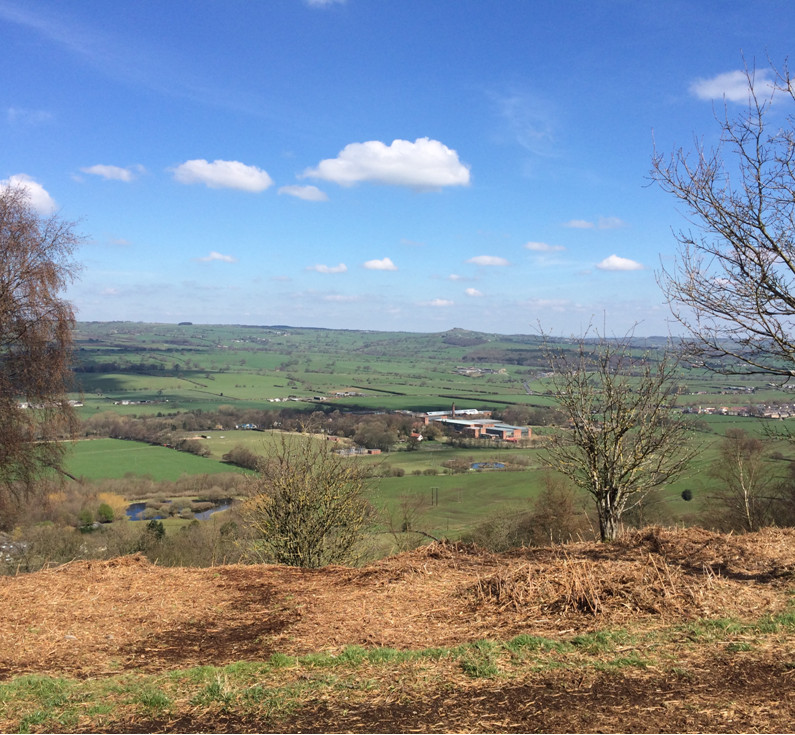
(482, 427)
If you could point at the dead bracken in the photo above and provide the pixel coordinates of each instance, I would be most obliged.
(661, 631)
(92, 617)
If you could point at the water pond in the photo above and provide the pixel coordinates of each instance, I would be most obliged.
(135, 511)
(488, 466)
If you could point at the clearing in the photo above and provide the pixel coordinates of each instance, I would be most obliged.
(663, 631)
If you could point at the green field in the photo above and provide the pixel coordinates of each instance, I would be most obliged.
(178, 368)
(96, 459)
(445, 504)
(166, 370)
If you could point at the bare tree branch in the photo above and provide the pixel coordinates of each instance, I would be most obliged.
(732, 285)
(308, 505)
(624, 438)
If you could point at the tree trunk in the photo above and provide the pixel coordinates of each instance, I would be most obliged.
(608, 522)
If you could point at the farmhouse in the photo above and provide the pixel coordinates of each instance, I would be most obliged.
(355, 451)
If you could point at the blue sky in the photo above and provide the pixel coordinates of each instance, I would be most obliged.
(370, 164)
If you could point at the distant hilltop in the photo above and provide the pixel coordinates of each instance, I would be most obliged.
(456, 336)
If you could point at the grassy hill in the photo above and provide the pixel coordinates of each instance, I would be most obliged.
(188, 367)
(663, 631)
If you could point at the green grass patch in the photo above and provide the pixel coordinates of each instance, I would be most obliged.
(282, 684)
(117, 458)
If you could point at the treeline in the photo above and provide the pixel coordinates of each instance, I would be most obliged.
(374, 431)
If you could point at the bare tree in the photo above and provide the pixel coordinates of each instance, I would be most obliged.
(35, 342)
(308, 505)
(623, 438)
(733, 284)
(749, 492)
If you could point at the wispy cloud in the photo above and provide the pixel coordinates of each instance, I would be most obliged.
(320, 268)
(423, 164)
(440, 303)
(122, 58)
(731, 85)
(222, 175)
(473, 292)
(528, 119)
(307, 193)
(23, 116)
(38, 196)
(556, 305)
(113, 173)
(488, 260)
(603, 223)
(385, 264)
(617, 263)
(323, 3)
(217, 256)
(543, 247)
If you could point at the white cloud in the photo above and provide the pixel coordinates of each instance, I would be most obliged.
(473, 292)
(441, 303)
(307, 193)
(323, 3)
(423, 164)
(616, 263)
(320, 268)
(38, 196)
(455, 277)
(543, 247)
(222, 175)
(603, 223)
(218, 256)
(114, 173)
(488, 260)
(731, 85)
(385, 264)
(341, 298)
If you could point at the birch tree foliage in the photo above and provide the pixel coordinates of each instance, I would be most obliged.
(36, 322)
